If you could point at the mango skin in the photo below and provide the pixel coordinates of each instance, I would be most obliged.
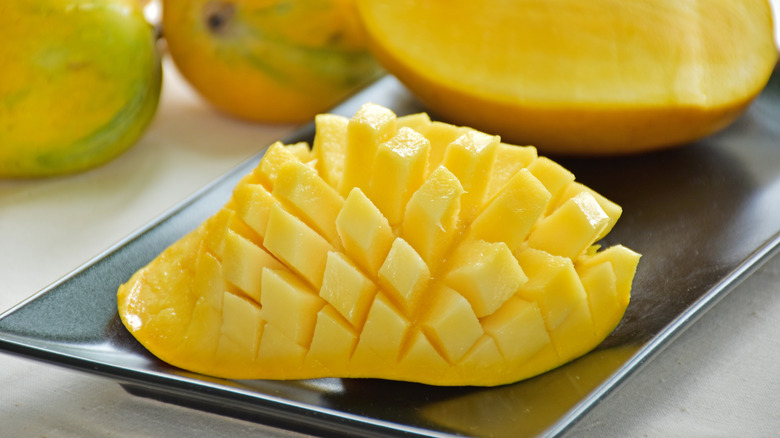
(80, 83)
(276, 61)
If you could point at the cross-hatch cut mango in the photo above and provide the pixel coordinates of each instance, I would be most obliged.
(396, 248)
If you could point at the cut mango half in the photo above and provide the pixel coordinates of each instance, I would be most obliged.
(397, 248)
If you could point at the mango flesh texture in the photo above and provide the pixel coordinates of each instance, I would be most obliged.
(301, 275)
(600, 77)
(273, 61)
(80, 83)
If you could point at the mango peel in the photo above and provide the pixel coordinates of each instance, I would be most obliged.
(81, 82)
(269, 61)
(397, 248)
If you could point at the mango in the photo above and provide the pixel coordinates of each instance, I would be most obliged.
(80, 83)
(271, 61)
(419, 260)
(600, 77)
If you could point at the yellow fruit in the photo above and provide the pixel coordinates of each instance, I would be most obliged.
(269, 60)
(476, 268)
(574, 77)
(80, 83)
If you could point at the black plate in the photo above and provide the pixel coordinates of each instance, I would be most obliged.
(703, 216)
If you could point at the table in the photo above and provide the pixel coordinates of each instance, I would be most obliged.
(719, 378)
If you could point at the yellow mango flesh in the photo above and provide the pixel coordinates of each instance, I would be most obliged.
(574, 77)
(301, 276)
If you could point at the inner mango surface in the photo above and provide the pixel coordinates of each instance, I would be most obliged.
(397, 248)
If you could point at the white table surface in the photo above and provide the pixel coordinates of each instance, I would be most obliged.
(719, 378)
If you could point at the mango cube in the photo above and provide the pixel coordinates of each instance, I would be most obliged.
(330, 147)
(289, 305)
(333, 340)
(243, 263)
(431, 217)
(365, 234)
(518, 329)
(242, 328)
(570, 229)
(280, 353)
(521, 202)
(422, 358)
(509, 160)
(621, 259)
(253, 204)
(404, 275)
(382, 337)
(610, 208)
(441, 135)
(400, 166)
(486, 274)
(347, 289)
(290, 240)
(451, 322)
(203, 331)
(312, 199)
(554, 177)
(265, 173)
(470, 158)
(600, 284)
(419, 122)
(366, 130)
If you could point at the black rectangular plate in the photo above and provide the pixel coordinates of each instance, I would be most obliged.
(704, 216)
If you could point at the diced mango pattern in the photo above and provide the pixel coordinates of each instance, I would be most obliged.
(397, 248)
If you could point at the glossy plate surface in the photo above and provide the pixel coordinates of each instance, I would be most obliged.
(703, 217)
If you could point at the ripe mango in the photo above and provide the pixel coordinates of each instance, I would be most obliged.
(269, 61)
(597, 77)
(80, 83)
(397, 248)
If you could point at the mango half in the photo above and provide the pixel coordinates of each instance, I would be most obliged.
(596, 77)
(396, 248)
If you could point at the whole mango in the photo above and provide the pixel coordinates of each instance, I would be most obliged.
(276, 61)
(79, 84)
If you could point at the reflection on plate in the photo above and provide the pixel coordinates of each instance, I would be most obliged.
(703, 216)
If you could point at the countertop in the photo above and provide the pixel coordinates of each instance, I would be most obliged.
(720, 377)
